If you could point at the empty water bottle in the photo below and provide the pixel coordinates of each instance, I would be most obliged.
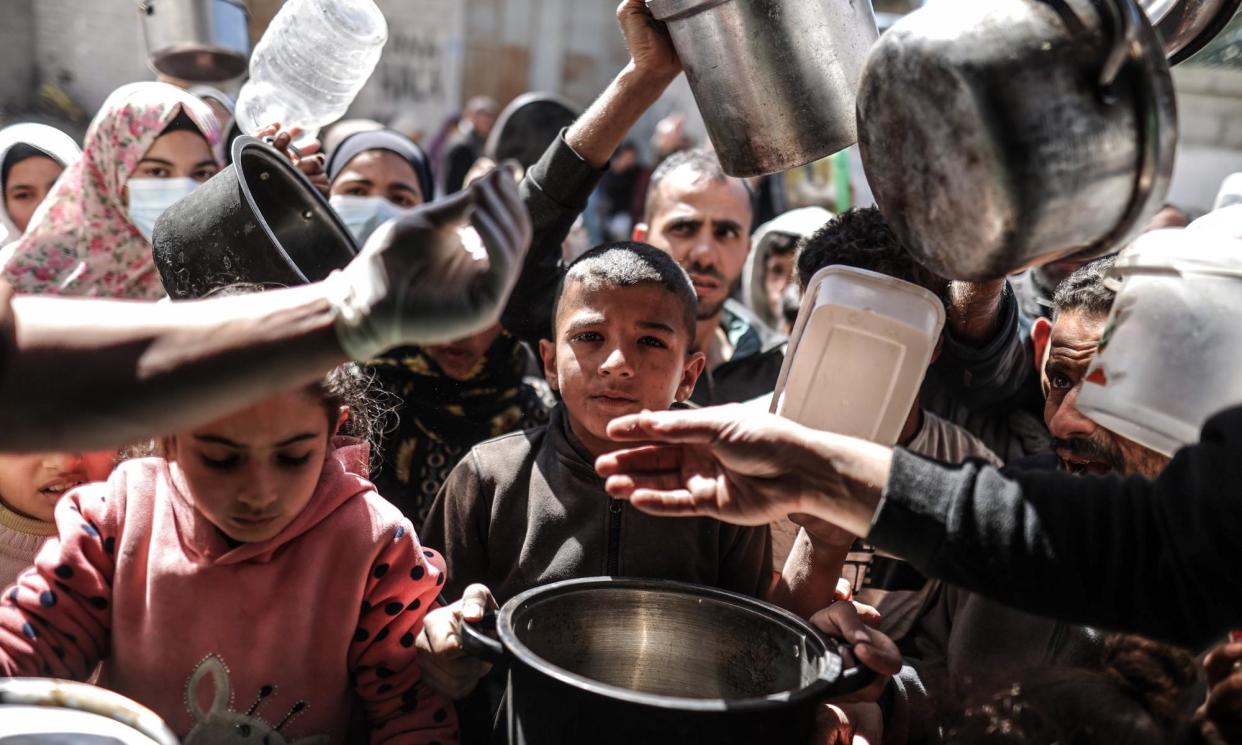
(310, 64)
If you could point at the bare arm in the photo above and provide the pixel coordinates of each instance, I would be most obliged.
(84, 373)
(974, 310)
(653, 65)
(808, 581)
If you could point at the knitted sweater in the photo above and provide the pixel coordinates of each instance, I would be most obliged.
(21, 538)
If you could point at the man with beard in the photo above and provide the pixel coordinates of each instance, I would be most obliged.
(702, 218)
(964, 643)
(1064, 348)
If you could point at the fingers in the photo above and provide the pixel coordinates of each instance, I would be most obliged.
(649, 459)
(698, 425)
(844, 590)
(445, 667)
(475, 602)
(874, 649)
(1223, 706)
(1219, 663)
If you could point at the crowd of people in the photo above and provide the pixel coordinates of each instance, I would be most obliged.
(270, 511)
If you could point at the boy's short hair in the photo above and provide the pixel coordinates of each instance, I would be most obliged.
(861, 238)
(630, 264)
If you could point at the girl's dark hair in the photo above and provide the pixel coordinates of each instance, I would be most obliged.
(1132, 698)
(348, 385)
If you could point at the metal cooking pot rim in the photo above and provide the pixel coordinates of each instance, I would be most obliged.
(670, 10)
(816, 689)
(272, 157)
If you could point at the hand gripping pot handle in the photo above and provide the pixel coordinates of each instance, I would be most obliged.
(846, 680)
(478, 640)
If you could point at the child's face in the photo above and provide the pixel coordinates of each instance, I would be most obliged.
(33, 484)
(253, 472)
(618, 350)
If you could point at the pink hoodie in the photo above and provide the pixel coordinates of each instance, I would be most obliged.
(266, 642)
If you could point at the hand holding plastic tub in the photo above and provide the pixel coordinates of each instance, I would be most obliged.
(734, 465)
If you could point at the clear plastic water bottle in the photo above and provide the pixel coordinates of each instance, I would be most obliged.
(310, 64)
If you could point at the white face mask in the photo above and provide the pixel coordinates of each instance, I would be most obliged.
(151, 197)
(362, 215)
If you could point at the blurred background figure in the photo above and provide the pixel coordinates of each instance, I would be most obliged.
(619, 204)
(150, 145)
(466, 143)
(32, 157)
(770, 267)
(337, 133)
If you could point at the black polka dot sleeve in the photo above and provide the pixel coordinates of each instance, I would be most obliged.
(404, 583)
(57, 619)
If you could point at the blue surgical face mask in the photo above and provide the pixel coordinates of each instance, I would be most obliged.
(151, 197)
(362, 215)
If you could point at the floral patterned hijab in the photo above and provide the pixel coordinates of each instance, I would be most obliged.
(81, 241)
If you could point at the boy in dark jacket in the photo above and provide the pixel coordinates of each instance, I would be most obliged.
(528, 508)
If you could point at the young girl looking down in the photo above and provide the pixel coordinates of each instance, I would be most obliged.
(249, 585)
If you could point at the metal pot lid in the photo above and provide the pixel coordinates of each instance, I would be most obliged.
(523, 607)
(1187, 26)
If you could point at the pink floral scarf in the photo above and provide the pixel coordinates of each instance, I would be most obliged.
(80, 241)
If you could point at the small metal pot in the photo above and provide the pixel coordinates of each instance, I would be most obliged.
(200, 41)
(1002, 134)
(1187, 26)
(624, 661)
(774, 79)
(258, 221)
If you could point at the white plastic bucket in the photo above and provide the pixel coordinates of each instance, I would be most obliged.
(1170, 355)
(858, 353)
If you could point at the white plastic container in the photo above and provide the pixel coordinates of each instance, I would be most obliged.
(858, 353)
(1169, 356)
(310, 64)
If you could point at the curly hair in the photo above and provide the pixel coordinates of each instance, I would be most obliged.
(1130, 698)
(861, 238)
(1086, 290)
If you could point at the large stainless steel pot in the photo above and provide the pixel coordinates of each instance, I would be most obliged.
(1001, 134)
(603, 660)
(774, 79)
(200, 41)
(47, 710)
(1187, 26)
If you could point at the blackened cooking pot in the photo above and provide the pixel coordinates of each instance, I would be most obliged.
(259, 221)
(602, 660)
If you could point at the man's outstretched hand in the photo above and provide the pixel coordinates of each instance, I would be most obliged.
(741, 467)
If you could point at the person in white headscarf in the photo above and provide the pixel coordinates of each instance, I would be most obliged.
(770, 266)
(32, 157)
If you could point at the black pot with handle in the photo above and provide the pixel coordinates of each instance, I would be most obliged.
(603, 660)
(259, 221)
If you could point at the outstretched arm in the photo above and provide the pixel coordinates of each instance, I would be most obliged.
(80, 374)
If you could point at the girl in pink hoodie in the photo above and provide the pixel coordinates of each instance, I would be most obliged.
(250, 586)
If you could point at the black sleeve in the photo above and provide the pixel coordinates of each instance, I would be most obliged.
(457, 163)
(998, 372)
(555, 190)
(1154, 557)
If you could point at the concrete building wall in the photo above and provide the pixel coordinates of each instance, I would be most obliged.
(63, 57)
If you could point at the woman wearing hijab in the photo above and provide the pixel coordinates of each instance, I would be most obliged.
(32, 157)
(150, 145)
(452, 396)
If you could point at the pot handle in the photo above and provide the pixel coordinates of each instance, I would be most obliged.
(478, 640)
(1127, 43)
(849, 679)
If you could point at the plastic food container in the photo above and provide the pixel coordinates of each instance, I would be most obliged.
(1168, 360)
(858, 353)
